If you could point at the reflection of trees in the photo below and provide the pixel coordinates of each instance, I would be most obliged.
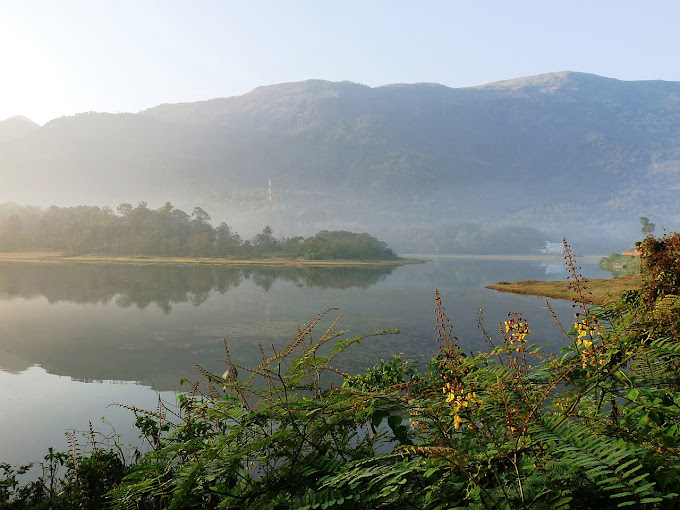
(141, 285)
(345, 277)
(127, 284)
(263, 277)
(324, 277)
(163, 285)
(226, 278)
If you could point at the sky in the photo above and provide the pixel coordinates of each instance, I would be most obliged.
(62, 57)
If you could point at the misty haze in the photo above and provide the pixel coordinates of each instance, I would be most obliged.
(499, 168)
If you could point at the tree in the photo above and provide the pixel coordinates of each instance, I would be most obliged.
(265, 241)
(10, 232)
(228, 242)
(124, 209)
(166, 209)
(294, 246)
(200, 215)
(646, 227)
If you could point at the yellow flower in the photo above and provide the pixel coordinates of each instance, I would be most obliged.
(457, 422)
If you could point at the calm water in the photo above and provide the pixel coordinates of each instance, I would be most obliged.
(75, 338)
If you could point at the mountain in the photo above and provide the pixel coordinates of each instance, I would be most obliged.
(424, 165)
(16, 127)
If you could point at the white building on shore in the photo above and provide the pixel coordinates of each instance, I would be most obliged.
(552, 248)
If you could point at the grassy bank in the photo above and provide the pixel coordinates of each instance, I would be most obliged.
(600, 290)
(54, 258)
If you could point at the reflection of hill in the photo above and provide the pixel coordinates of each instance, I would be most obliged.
(142, 285)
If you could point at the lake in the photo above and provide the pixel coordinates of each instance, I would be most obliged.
(75, 338)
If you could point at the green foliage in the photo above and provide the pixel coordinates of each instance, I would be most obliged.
(646, 227)
(345, 245)
(68, 480)
(166, 232)
(661, 266)
(594, 426)
(619, 265)
(383, 375)
(13, 494)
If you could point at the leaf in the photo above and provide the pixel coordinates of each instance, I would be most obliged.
(562, 502)
(430, 472)
(644, 420)
(394, 421)
(378, 416)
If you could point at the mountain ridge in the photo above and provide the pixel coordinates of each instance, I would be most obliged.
(16, 127)
(385, 159)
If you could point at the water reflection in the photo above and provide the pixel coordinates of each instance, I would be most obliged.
(95, 322)
(163, 285)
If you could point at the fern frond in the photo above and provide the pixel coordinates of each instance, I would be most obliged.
(666, 306)
(608, 462)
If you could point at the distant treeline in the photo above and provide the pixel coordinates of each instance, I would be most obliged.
(166, 231)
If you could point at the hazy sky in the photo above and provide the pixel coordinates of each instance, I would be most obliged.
(60, 57)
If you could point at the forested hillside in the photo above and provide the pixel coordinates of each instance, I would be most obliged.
(423, 164)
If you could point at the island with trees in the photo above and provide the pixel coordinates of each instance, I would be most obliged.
(167, 233)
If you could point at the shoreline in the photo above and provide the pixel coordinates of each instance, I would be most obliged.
(58, 258)
(597, 290)
(532, 257)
